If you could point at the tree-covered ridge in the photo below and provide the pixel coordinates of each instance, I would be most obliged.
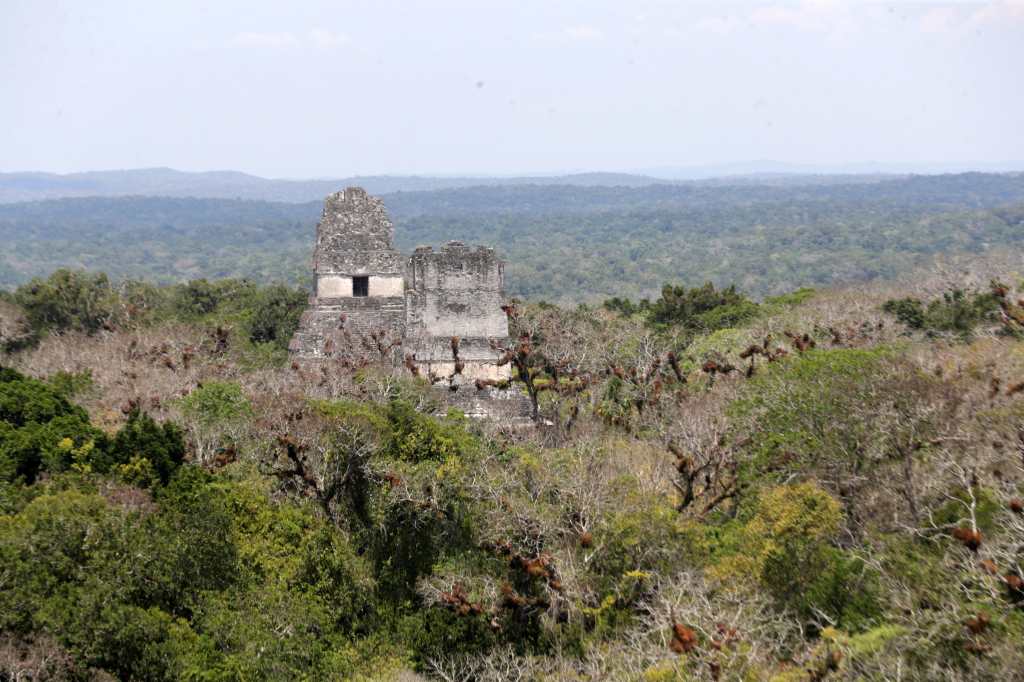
(965, 190)
(825, 485)
(564, 244)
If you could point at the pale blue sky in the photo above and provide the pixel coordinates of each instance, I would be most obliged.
(318, 88)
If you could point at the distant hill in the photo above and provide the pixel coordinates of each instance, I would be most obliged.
(167, 182)
(935, 192)
(762, 170)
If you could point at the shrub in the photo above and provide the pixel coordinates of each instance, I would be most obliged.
(701, 309)
(807, 413)
(275, 315)
(40, 429)
(24, 400)
(146, 302)
(956, 312)
(909, 311)
(200, 297)
(143, 440)
(792, 299)
(115, 586)
(42, 548)
(68, 301)
(215, 414)
(70, 384)
(625, 307)
(53, 446)
(416, 437)
(785, 545)
(216, 403)
(196, 298)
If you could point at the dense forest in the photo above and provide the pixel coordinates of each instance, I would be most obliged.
(821, 485)
(564, 244)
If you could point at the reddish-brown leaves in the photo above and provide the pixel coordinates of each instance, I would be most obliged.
(458, 601)
(510, 599)
(1015, 583)
(971, 539)
(978, 623)
(684, 639)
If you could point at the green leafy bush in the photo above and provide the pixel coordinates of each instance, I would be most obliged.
(792, 299)
(958, 311)
(24, 400)
(626, 307)
(701, 309)
(804, 412)
(416, 437)
(197, 297)
(41, 430)
(143, 440)
(275, 314)
(786, 544)
(71, 384)
(68, 300)
(216, 403)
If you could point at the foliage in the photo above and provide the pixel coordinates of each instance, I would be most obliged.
(276, 314)
(701, 309)
(160, 446)
(818, 421)
(216, 402)
(958, 311)
(15, 332)
(848, 416)
(792, 299)
(71, 384)
(850, 507)
(67, 300)
(626, 307)
(785, 544)
(415, 437)
(199, 297)
(40, 429)
(225, 571)
(24, 400)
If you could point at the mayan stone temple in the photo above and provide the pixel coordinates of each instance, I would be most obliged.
(436, 312)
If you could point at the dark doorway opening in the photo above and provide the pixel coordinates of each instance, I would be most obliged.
(360, 286)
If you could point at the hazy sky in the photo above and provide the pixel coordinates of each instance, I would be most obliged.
(318, 88)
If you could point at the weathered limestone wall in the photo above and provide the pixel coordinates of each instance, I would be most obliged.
(506, 405)
(424, 301)
(386, 286)
(479, 360)
(457, 291)
(333, 286)
(353, 238)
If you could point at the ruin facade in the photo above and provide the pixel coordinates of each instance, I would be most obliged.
(439, 312)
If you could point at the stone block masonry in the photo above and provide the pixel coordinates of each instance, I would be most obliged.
(360, 278)
(456, 292)
(425, 303)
